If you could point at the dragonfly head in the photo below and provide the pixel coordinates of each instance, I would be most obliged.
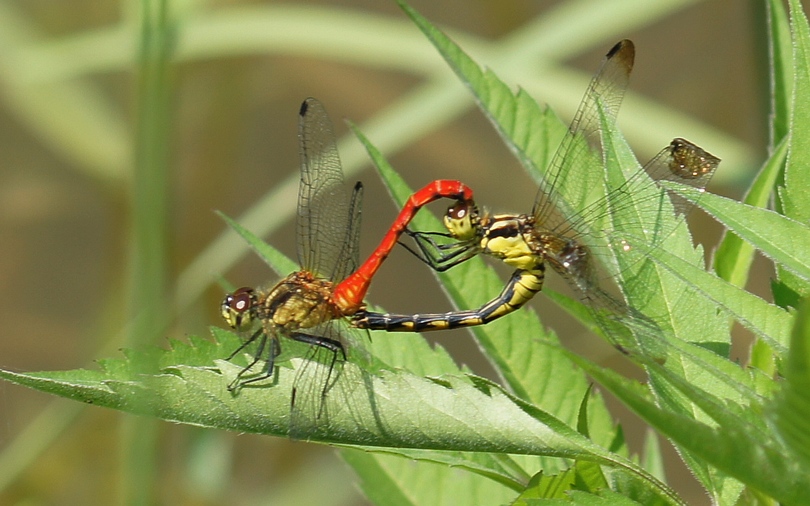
(239, 308)
(462, 220)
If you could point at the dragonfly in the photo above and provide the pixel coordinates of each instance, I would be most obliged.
(309, 305)
(559, 235)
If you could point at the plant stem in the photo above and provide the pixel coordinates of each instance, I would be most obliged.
(149, 243)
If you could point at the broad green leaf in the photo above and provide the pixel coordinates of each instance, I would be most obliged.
(583, 484)
(792, 197)
(362, 408)
(766, 320)
(733, 256)
(384, 408)
(762, 358)
(741, 445)
(792, 408)
(780, 238)
(590, 477)
(652, 459)
(781, 68)
(508, 470)
(797, 182)
(654, 290)
(689, 320)
(390, 480)
(545, 486)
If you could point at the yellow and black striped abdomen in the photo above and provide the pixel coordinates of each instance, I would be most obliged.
(523, 285)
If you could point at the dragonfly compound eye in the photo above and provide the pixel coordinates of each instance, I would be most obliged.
(461, 220)
(239, 307)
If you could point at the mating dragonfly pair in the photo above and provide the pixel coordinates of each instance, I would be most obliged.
(309, 304)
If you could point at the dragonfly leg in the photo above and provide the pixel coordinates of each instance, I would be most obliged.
(332, 345)
(440, 257)
(246, 343)
(267, 372)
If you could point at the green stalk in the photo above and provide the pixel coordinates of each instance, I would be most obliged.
(149, 243)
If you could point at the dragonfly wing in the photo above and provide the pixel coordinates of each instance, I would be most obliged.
(686, 163)
(348, 258)
(324, 382)
(627, 329)
(323, 200)
(563, 188)
(642, 208)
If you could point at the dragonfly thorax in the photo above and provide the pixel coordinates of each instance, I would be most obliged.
(568, 257)
(505, 237)
(300, 300)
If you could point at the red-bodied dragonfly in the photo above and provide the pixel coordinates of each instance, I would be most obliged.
(307, 306)
(557, 233)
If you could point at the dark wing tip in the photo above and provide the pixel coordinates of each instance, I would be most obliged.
(690, 161)
(305, 106)
(624, 51)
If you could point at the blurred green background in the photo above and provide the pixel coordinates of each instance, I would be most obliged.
(68, 113)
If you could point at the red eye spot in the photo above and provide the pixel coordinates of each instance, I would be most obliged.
(457, 211)
(241, 300)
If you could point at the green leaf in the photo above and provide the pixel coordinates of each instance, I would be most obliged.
(797, 182)
(548, 487)
(780, 238)
(734, 256)
(584, 484)
(781, 70)
(508, 470)
(391, 480)
(740, 446)
(363, 408)
(653, 459)
(766, 320)
(384, 408)
(792, 197)
(792, 408)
